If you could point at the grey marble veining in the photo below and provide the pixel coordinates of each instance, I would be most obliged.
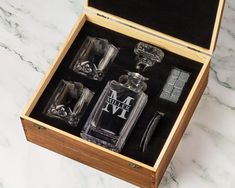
(31, 33)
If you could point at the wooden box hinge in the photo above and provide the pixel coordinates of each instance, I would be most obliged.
(102, 16)
(194, 49)
(133, 165)
(39, 127)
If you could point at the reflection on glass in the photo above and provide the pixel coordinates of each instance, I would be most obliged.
(94, 58)
(116, 112)
(69, 102)
(147, 55)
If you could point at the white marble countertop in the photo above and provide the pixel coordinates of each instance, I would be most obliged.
(31, 32)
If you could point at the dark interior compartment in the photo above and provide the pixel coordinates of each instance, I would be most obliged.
(124, 61)
(191, 21)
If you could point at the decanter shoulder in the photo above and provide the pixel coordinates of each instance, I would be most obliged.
(120, 88)
(113, 84)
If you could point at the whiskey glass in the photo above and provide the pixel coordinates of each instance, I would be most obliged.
(94, 58)
(69, 102)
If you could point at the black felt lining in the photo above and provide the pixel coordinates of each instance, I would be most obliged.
(191, 21)
(124, 61)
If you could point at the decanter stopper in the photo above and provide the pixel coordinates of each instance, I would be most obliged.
(147, 55)
(134, 81)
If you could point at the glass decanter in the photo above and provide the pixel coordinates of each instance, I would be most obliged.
(116, 112)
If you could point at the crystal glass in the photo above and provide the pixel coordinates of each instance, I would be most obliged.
(147, 55)
(69, 102)
(116, 112)
(94, 58)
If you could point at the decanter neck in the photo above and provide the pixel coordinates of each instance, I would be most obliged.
(136, 82)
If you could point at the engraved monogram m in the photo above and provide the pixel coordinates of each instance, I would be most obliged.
(117, 104)
(116, 112)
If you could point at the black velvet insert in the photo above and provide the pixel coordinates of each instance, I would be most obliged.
(124, 61)
(189, 20)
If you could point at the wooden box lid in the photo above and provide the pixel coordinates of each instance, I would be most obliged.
(194, 24)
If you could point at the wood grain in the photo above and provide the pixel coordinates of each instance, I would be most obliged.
(93, 157)
(98, 157)
(149, 38)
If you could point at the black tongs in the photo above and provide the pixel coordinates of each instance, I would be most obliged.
(150, 130)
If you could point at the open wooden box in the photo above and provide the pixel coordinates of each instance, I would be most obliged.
(187, 32)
